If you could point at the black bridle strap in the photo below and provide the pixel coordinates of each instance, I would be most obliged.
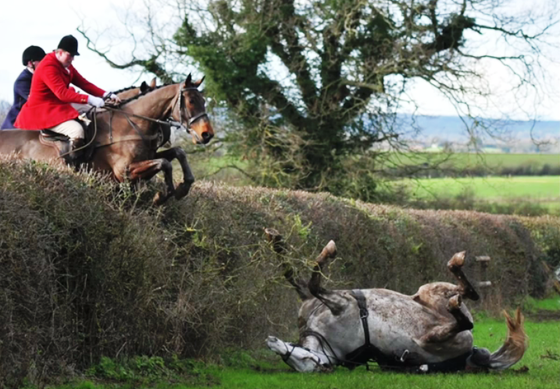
(322, 342)
(288, 354)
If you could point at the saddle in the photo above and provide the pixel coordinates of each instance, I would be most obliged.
(62, 144)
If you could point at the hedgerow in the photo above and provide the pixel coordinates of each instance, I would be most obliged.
(90, 269)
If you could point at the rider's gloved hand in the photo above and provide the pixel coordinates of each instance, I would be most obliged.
(95, 101)
(112, 97)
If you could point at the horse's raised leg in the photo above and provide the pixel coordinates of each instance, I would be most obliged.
(147, 169)
(450, 328)
(334, 301)
(279, 246)
(188, 178)
(455, 265)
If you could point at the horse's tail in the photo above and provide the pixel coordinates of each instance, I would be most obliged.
(512, 350)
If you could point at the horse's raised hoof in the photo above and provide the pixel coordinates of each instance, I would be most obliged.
(330, 249)
(455, 303)
(182, 190)
(457, 261)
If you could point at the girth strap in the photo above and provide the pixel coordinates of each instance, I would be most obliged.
(364, 313)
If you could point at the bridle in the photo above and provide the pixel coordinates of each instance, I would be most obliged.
(322, 341)
(183, 108)
(289, 352)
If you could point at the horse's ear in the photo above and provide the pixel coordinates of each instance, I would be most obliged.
(144, 87)
(197, 84)
(188, 80)
(153, 83)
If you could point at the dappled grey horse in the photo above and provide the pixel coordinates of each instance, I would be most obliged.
(430, 331)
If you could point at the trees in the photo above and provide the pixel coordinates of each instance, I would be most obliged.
(314, 82)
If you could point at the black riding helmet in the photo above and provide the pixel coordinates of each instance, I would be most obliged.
(70, 44)
(32, 53)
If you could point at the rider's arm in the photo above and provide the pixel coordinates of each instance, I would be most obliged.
(55, 82)
(84, 84)
(22, 88)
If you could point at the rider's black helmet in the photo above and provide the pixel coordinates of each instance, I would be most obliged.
(32, 53)
(70, 44)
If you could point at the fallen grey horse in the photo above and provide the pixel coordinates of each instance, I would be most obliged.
(429, 331)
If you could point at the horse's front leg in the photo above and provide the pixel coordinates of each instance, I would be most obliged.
(147, 169)
(188, 178)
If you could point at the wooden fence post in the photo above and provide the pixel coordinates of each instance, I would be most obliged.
(483, 283)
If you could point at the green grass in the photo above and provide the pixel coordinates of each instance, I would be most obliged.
(470, 160)
(542, 189)
(267, 371)
(534, 305)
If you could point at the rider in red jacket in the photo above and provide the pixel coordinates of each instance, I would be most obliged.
(49, 104)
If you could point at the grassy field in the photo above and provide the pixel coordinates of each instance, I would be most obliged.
(470, 160)
(539, 368)
(542, 189)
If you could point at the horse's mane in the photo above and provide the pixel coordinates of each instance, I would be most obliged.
(125, 89)
(142, 94)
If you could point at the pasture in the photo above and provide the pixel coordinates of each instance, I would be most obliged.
(491, 162)
(544, 190)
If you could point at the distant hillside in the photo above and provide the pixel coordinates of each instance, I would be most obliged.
(453, 128)
(510, 136)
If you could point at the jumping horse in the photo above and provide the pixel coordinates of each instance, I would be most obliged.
(430, 331)
(126, 139)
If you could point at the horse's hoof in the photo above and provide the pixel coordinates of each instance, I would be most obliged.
(455, 302)
(457, 261)
(182, 190)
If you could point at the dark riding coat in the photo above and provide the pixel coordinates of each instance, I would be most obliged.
(50, 97)
(21, 92)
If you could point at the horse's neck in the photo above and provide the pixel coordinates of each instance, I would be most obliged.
(155, 104)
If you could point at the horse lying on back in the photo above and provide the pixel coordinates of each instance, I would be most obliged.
(430, 331)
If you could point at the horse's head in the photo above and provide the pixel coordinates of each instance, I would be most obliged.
(297, 357)
(193, 112)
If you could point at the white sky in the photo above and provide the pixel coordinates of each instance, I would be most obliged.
(44, 22)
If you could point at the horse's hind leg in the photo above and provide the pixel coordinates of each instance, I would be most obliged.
(279, 246)
(335, 302)
(188, 178)
(450, 328)
(147, 169)
(455, 265)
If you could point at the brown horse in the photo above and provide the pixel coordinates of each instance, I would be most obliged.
(126, 139)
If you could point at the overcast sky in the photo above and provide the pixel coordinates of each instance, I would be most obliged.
(44, 22)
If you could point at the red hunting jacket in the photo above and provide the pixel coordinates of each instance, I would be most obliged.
(50, 97)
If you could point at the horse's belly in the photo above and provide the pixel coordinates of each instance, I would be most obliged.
(397, 322)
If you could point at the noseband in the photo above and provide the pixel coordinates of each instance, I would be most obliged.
(289, 352)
